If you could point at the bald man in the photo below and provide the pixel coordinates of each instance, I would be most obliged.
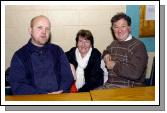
(40, 67)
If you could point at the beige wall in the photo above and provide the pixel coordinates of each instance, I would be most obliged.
(66, 21)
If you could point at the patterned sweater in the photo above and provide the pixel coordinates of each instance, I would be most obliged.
(131, 60)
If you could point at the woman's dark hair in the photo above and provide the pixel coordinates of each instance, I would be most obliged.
(86, 34)
(119, 16)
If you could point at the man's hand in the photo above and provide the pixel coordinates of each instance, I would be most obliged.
(108, 61)
(56, 92)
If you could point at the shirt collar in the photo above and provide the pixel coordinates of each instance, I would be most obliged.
(129, 37)
(33, 48)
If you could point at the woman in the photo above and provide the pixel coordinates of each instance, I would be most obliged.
(85, 61)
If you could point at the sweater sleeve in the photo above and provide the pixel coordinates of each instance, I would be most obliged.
(134, 69)
(66, 73)
(17, 78)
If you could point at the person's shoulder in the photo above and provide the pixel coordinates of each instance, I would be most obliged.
(54, 46)
(136, 40)
(21, 50)
(95, 51)
(72, 50)
(137, 44)
(114, 42)
(55, 49)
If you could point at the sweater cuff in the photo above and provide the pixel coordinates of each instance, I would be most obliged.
(115, 67)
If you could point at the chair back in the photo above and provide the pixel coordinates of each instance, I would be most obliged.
(152, 76)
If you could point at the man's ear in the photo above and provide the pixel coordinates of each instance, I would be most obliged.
(129, 29)
(30, 31)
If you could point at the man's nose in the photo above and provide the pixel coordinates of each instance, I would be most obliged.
(119, 29)
(43, 30)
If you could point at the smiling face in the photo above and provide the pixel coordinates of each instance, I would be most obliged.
(40, 30)
(121, 29)
(83, 45)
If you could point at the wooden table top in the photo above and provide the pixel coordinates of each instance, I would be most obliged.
(119, 94)
(124, 94)
(85, 96)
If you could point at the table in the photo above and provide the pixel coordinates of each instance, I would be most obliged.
(124, 94)
(119, 94)
(85, 96)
